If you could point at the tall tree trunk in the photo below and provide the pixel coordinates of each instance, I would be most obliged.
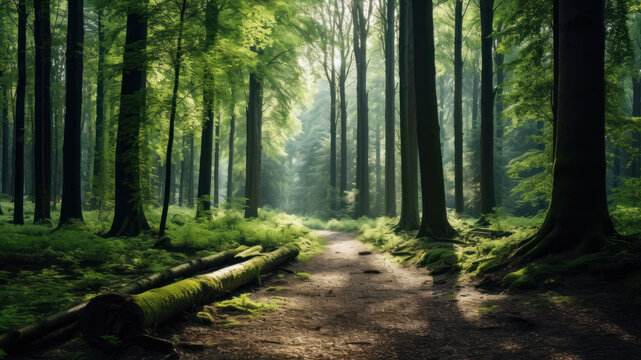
(71, 208)
(459, 202)
(409, 219)
(129, 218)
(475, 100)
(390, 111)
(172, 121)
(500, 78)
(207, 138)
(217, 162)
(230, 163)
(183, 165)
(5, 138)
(434, 221)
(361, 28)
(332, 136)
(487, 110)
(18, 140)
(42, 120)
(342, 93)
(254, 144)
(555, 94)
(636, 112)
(190, 177)
(578, 213)
(409, 148)
(380, 195)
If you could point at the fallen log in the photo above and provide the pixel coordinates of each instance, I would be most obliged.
(127, 316)
(14, 339)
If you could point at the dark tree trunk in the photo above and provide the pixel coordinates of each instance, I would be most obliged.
(390, 112)
(409, 149)
(190, 177)
(129, 218)
(578, 213)
(487, 109)
(475, 100)
(71, 208)
(172, 122)
(18, 140)
(5, 140)
(332, 136)
(217, 162)
(459, 202)
(555, 95)
(207, 138)
(434, 222)
(254, 144)
(499, 58)
(42, 119)
(361, 28)
(342, 79)
(636, 112)
(230, 163)
(183, 165)
(378, 171)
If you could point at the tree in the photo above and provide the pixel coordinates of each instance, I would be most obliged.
(98, 184)
(487, 109)
(129, 218)
(578, 214)
(342, 31)
(390, 110)
(172, 120)
(71, 209)
(409, 219)
(254, 145)
(18, 140)
(206, 147)
(361, 21)
(230, 164)
(42, 119)
(459, 202)
(434, 222)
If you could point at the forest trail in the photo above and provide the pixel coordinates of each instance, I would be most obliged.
(341, 312)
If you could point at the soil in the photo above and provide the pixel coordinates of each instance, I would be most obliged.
(364, 306)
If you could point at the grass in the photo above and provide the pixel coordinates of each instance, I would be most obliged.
(244, 305)
(44, 270)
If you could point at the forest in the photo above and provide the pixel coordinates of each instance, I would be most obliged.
(320, 179)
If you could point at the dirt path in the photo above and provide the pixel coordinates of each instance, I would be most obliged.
(403, 313)
(341, 312)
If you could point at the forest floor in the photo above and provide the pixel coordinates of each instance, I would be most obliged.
(358, 304)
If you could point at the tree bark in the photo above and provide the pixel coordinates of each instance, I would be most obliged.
(332, 137)
(390, 111)
(409, 156)
(459, 202)
(434, 222)
(488, 201)
(183, 166)
(578, 214)
(5, 139)
(128, 316)
(342, 93)
(129, 218)
(207, 138)
(172, 121)
(254, 146)
(71, 208)
(230, 163)
(190, 177)
(361, 28)
(499, 58)
(42, 119)
(18, 140)
(636, 112)
(217, 162)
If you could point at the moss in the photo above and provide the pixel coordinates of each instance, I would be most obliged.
(487, 309)
(205, 317)
(244, 305)
(229, 322)
(528, 277)
(304, 276)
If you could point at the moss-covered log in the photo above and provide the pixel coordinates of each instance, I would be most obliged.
(17, 338)
(126, 316)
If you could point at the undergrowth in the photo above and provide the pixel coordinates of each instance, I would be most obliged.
(44, 270)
